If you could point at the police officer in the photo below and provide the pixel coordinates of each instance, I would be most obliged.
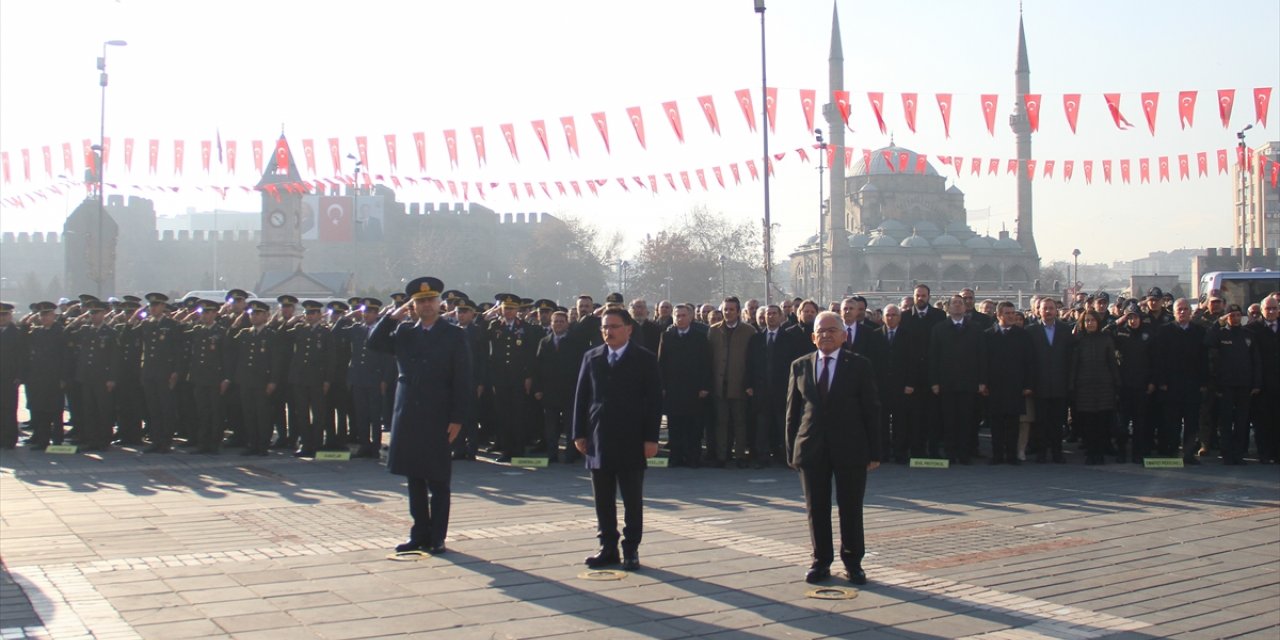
(253, 364)
(1133, 341)
(512, 349)
(161, 338)
(205, 372)
(1238, 378)
(312, 361)
(97, 368)
(46, 376)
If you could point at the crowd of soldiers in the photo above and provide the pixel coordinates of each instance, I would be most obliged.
(1129, 379)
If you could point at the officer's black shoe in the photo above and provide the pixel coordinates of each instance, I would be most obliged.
(857, 575)
(438, 549)
(503, 458)
(817, 573)
(411, 545)
(157, 448)
(603, 558)
(631, 561)
(304, 453)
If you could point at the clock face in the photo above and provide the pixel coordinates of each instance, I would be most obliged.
(276, 219)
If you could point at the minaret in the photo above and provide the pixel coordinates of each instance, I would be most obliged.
(836, 246)
(1022, 128)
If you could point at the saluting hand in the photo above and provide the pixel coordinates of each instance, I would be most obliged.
(402, 311)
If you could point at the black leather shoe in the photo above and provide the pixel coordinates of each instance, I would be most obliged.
(857, 575)
(603, 558)
(631, 561)
(817, 574)
(411, 545)
(437, 549)
(503, 458)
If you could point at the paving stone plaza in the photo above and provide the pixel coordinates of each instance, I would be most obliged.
(192, 546)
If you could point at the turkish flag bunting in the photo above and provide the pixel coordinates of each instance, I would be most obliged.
(68, 163)
(684, 179)
(989, 103)
(362, 150)
(1202, 164)
(1262, 104)
(1226, 100)
(944, 106)
(841, 99)
(1184, 167)
(1144, 170)
(1124, 171)
(257, 156)
(1071, 104)
(1222, 161)
(637, 123)
(1031, 169)
(560, 188)
(528, 189)
(653, 183)
(602, 126)
(106, 154)
(309, 154)
(1088, 171)
(993, 167)
(1031, 102)
(231, 156)
(1012, 167)
(178, 148)
(807, 99)
(1068, 168)
(831, 155)
(804, 155)
(702, 178)
(748, 111)
(540, 132)
(390, 139)
(451, 143)
(909, 102)
(719, 176)
(922, 161)
(888, 161)
(453, 188)
(975, 166)
(4, 160)
(1164, 168)
(48, 158)
(751, 168)
(771, 107)
(26, 165)
(206, 152)
(477, 134)
(623, 183)
(1150, 102)
(670, 180)
(1113, 105)
(592, 186)
(1106, 171)
(90, 165)
(275, 193)
(957, 163)
(128, 157)
(1048, 168)
(709, 109)
(673, 116)
(544, 188)
(1187, 108)
(577, 190)
(439, 185)
(848, 157)
(570, 135)
(903, 159)
(509, 132)
(420, 144)
(733, 168)
(282, 156)
(1275, 174)
(1240, 157)
(769, 165)
(877, 108)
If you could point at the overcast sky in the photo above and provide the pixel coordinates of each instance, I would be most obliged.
(342, 69)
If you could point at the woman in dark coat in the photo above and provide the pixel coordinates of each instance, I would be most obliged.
(434, 398)
(1093, 381)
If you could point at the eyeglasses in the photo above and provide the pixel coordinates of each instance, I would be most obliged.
(828, 331)
(612, 326)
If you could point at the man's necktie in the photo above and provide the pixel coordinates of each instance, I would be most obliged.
(891, 332)
(613, 358)
(824, 381)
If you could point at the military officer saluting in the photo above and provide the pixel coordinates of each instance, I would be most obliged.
(161, 338)
(366, 377)
(206, 372)
(13, 368)
(97, 368)
(312, 361)
(513, 345)
(47, 373)
(253, 364)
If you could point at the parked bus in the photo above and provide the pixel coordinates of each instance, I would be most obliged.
(1241, 287)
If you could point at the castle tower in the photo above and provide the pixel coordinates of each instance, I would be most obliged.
(835, 273)
(1022, 129)
(281, 248)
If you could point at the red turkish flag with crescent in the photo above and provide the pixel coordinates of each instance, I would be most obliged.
(1048, 168)
(653, 183)
(335, 156)
(451, 143)
(702, 178)
(751, 168)
(1262, 104)
(771, 107)
(748, 111)
(545, 190)
(719, 176)
(335, 219)
(807, 99)
(1144, 170)
(206, 153)
(1187, 108)
(737, 177)
(48, 159)
(1163, 164)
(993, 167)
(1088, 171)
(540, 132)
(1106, 171)
(592, 186)
(1012, 167)
(257, 156)
(509, 133)
(560, 187)
(26, 164)
(1031, 102)
(1184, 167)
(1226, 100)
(602, 125)
(1068, 168)
(1071, 105)
(673, 116)
(178, 149)
(944, 107)
(975, 166)
(989, 103)
(1124, 171)
(282, 155)
(922, 161)
(684, 179)
(362, 150)
(1113, 105)
(390, 139)
(876, 98)
(903, 159)
(128, 157)
(231, 156)
(68, 162)
(1150, 102)
(1240, 157)
(477, 134)
(106, 152)
(709, 109)
(420, 144)
(841, 98)
(4, 163)
(1275, 174)
(1031, 169)
(637, 123)
(909, 102)
(570, 134)
(1202, 164)
(528, 189)
(1222, 161)
(577, 190)
(670, 180)
(309, 154)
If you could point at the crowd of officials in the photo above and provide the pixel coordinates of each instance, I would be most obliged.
(1126, 379)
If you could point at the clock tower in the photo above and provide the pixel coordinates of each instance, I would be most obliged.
(282, 190)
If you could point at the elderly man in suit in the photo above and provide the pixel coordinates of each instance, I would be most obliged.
(1052, 342)
(617, 413)
(685, 362)
(833, 433)
(957, 376)
(729, 382)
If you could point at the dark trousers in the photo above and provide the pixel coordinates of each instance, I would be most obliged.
(1266, 424)
(684, 438)
(851, 484)
(162, 411)
(1134, 419)
(605, 486)
(429, 506)
(1004, 437)
(1094, 428)
(957, 422)
(129, 409)
(771, 422)
(314, 418)
(187, 425)
(8, 415)
(731, 426)
(366, 415)
(1051, 414)
(895, 428)
(929, 423)
(555, 420)
(208, 416)
(255, 406)
(340, 401)
(1233, 422)
(509, 415)
(1181, 417)
(46, 428)
(284, 415)
(96, 412)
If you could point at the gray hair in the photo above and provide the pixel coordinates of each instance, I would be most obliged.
(828, 314)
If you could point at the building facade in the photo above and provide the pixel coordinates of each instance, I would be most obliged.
(1255, 211)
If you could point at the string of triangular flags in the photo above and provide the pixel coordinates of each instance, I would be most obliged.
(1031, 106)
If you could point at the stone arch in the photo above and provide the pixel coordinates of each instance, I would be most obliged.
(954, 278)
(1017, 276)
(924, 273)
(986, 278)
(892, 277)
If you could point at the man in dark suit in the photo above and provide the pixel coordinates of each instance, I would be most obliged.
(684, 358)
(647, 333)
(920, 318)
(617, 414)
(1051, 340)
(802, 329)
(1010, 376)
(957, 376)
(862, 335)
(769, 356)
(555, 373)
(1266, 415)
(902, 382)
(833, 412)
(1181, 364)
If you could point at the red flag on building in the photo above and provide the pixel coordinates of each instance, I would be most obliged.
(673, 116)
(1150, 102)
(390, 139)
(807, 99)
(709, 109)
(206, 154)
(1071, 105)
(1262, 104)
(178, 149)
(877, 108)
(989, 104)
(602, 125)
(309, 155)
(282, 155)
(1187, 108)
(1031, 102)
(540, 132)
(509, 133)
(637, 123)
(336, 221)
(922, 162)
(477, 134)
(1226, 100)
(257, 156)
(748, 111)
(771, 107)
(420, 144)
(909, 102)
(451, 143)
(903, 159)
(944, 106)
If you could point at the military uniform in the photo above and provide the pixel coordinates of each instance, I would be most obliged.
(161, 358)
(253, 363)
(366, 378)
(97, 369)
(206, 372)
(339, 395)
(512, 348)
(1237, 373)
(13, 368)
(130, 403)
(47, 375)
(312, 360)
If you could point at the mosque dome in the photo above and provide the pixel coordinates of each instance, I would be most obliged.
(881, 167)
(893, 228)
(1007, 243)
(978, 242)
(859, 240)
(946, 241)
(881, 240)
(914, 242)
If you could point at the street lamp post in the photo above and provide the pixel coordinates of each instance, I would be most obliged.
(1244, 199)
(764, 128)
(622, 280)
(102, 161)
(822, 219)
(1075, 255)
